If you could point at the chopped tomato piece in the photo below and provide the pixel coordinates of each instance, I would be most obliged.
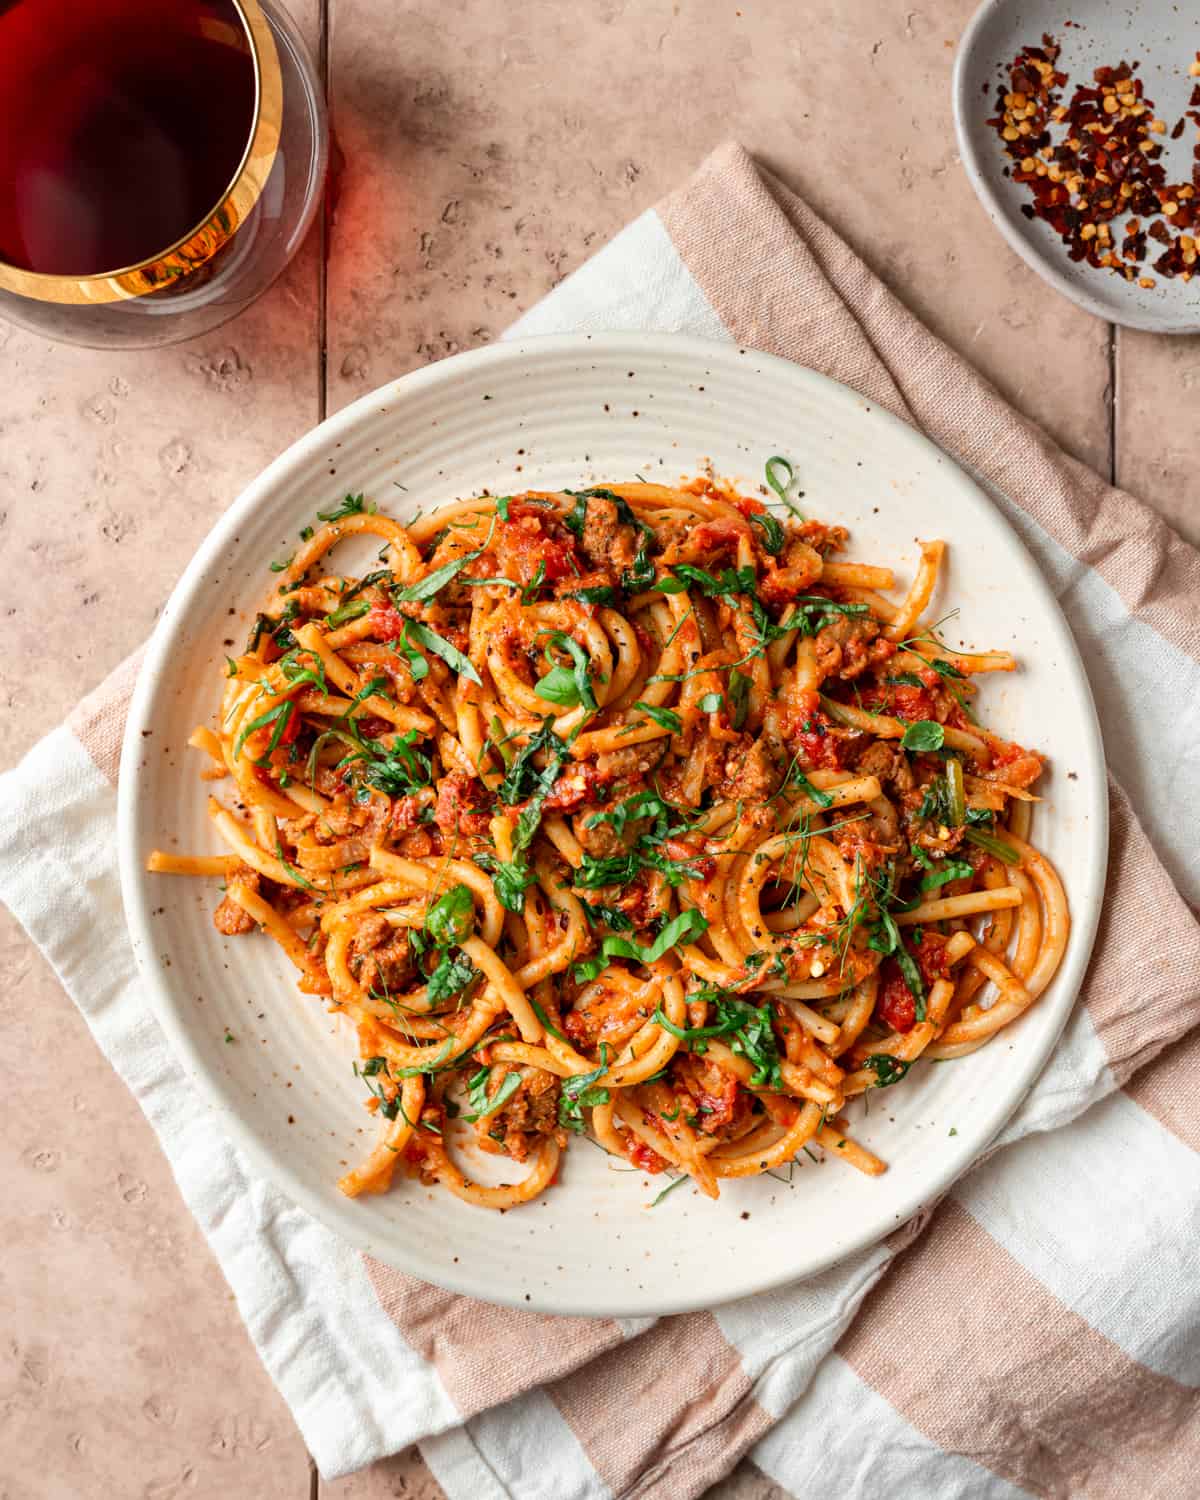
(901, 700)
(816, 748)
(718, 534)
(458, 805)
(577, 785)
(749, 506)
(930, 955)
(895, 1007)
(526, 550)
(644, 1156)
(386, 622)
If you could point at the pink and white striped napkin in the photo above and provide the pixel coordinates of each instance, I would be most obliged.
(1039, 1332)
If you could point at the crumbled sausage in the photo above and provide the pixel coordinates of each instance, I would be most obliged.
(750, 775)
(461, 805)
(888, 764)
(630, 763)
(607, 541)
(229, 918)
(531, 1111)
(380, 956)
(848, 645)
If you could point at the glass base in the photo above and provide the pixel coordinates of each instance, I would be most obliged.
(244, 268)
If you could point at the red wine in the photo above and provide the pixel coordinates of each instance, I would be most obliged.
(122, 124)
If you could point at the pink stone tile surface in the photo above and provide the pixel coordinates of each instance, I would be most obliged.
(489, 149)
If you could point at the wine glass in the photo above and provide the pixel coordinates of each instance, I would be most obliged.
(159, 165)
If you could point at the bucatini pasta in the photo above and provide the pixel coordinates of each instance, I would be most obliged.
(630, 811)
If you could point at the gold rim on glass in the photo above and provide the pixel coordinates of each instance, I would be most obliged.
(200, 244)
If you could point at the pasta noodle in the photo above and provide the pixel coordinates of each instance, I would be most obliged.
(630, 811)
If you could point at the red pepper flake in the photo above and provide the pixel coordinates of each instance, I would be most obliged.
(1101, 163)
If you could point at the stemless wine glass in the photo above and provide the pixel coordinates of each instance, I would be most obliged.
(159, 165)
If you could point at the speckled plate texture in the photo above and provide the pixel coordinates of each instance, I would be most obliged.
(1163, 37)
(564, 412)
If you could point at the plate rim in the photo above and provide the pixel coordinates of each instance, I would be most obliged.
(963, 97)
(218, 1091)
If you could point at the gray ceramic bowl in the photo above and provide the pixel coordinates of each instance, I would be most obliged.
(1163, 35)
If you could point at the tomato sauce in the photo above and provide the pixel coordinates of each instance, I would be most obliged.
(643, 1156)
(895, 1006)
(387, 622)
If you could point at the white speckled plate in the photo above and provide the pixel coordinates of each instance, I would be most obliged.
(550, 413)
(1163, 35)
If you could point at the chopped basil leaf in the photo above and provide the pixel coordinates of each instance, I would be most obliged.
(773, 533)
(887, 1070)
(925, 734)
(601, 593)
(951, 869)
(739, 697)
(509, 881)
(579, 1092)
(398, 770)
(481, 1104)
(782, 486)
(352, 505)
(640, 805)
(354, 610)
(523, 775)
(798, 779)
(594, 874)
(670, 1188)
(571, 685)
(425, 588)
(885, 935)
(451, 655)
(665, 718)
(558, 686)
(304, 884)
(451, 976)
(729, 581)
(418, 667)
(280, 716)
(547, 1024)
(529, 592)
(749, 1029)
(684, 928)
(611, 916)
(451, 918)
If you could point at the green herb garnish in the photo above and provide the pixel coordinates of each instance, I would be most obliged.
(923, 735)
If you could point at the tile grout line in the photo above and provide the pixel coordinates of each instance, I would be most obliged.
(323, 267)
(1113, 335)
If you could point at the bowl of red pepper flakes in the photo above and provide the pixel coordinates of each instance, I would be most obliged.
(1080, 132)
